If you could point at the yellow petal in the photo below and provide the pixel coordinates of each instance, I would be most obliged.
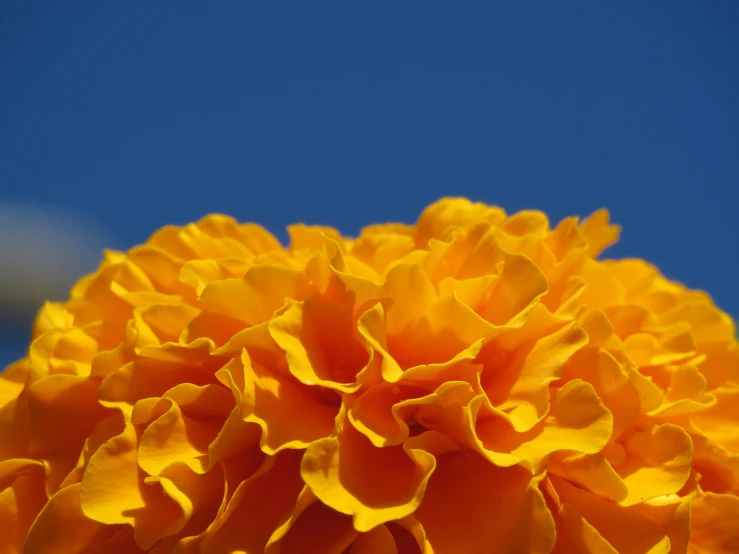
(373, 329)
(447, 328)
(255, 297)
(271, 400)
(603, 289)
(378, 250)
(385, 414)
(685, 394)
(373, 485)
(565, 239)
(721, 364)
(611, 381)
(114, 491)
(659, 463)
(521, 283)
(719, 423)
(173, 438)
(578, 422)
(591, 472)
(707, 323)
(448, 213)
(311, 237)
(599, 233)
(527, 222)
(528, 398)
(411, 292)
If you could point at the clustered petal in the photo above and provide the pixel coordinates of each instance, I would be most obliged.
(476, 382)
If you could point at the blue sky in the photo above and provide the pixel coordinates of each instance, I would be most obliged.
(134, 115)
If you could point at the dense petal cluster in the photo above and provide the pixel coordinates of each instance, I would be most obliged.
(476, 382)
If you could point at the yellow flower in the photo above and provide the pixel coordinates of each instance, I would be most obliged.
(476, 382)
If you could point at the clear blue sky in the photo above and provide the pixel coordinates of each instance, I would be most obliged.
(139, 114)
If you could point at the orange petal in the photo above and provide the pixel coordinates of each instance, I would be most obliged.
(173, 438)
(373, 328)
(386, 416)
(311, 237)
(199, 497)
(449, 213)
(599, 233)
(434, 339)
(63, 412)
(520, 284)
(120, 541)
(708, 324)
(148, 378)
(255, 297)
(597, 525)
(271, 400)
(412, 293)
(114, 491)
(313, 528)
(528, 398)
(61, 527)
(256, 507)
(715, 524)
(471, 505)
(610, 380)
(378, 250)
(14, 411)
(378, 539)
(685, 394)
(22, 496)
(320, 342)
(719, 423)
(527, 222)
(590, 471)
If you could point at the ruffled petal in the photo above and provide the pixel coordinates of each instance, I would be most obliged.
(715, 524)
(271, 400)
(595, 525)
(373, 485)
(578, 422)
(659, 463)
(62, 528)
(256, 507)
(313, 528)
(114, 490)
(22, 497)
(475, 382)
(321, 344)
(471, 505)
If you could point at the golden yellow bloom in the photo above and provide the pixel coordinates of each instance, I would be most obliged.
(477, 382)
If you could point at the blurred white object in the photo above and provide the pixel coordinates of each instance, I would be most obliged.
(43, 252)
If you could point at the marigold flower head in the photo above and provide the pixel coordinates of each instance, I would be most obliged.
(476, 382)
